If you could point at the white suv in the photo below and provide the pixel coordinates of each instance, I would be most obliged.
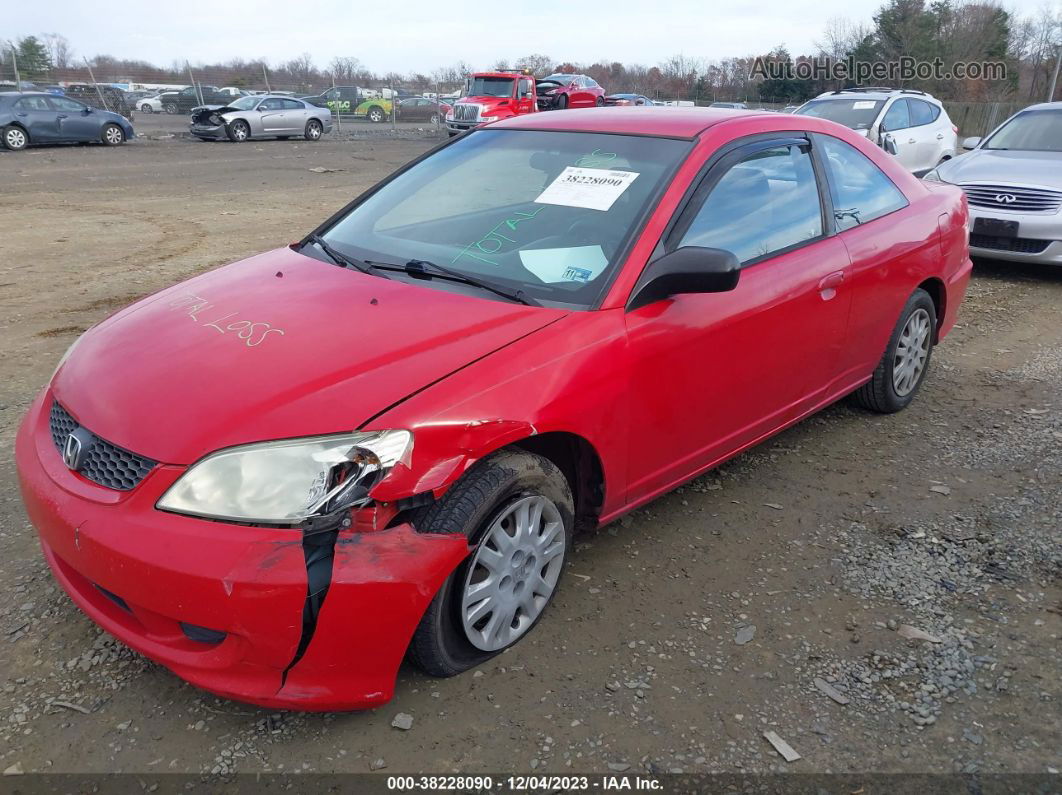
(911, 124)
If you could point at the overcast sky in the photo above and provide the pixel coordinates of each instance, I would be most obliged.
(421, 35)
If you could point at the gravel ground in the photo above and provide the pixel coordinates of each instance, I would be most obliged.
(881, 592)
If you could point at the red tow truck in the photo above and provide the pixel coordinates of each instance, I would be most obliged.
(489, 96)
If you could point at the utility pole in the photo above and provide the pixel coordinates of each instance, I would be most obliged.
(1054, 80)
(265, 76)
(97, 85)
(14, 63)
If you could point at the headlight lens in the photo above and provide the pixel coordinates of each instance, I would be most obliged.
(288, 481)
(932, 176)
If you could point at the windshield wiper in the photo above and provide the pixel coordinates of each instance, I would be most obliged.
(344, 260)
(420, 267)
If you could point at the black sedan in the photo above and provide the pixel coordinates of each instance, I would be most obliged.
(628, 99)
(34, 118)
(421, 109)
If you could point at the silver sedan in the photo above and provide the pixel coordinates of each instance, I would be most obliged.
(260, 117)
(1013, 183)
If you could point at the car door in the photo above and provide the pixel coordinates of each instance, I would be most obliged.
(271, 116)
(885, 244)
(929, 139)
(39, 117)
(76, 121)
(292, 117)
(714, 373)
(897, 123)
(525, 95)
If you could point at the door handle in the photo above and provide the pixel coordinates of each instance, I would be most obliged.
(61, 116)
(940, 136)
(828, 284)
(911, 140)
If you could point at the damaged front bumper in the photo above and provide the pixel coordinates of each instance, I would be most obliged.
(226, 607)
(208, 130)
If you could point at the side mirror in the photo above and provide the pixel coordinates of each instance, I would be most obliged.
(971, 143)
(690, 269)
(888, 143)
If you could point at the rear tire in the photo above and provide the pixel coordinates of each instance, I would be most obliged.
(433, 119)
(903, 368)
(15, 138)
(599, 102)
(314, 130)
(171, 108)
(490, 504)
(112, 135)
(376, 114)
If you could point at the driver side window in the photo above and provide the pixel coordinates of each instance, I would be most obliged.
(897, 117)
(62, 103)
(763, 204)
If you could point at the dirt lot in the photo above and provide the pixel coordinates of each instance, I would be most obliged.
(826, 540)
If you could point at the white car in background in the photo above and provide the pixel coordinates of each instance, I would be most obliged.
(913, 125)
(149, 104)
(1013, 184)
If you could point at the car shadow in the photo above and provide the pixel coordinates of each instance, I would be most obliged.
(1004, 270)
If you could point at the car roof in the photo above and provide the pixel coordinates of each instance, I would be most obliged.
(879, 96)
(674, 122)
(1045, 106)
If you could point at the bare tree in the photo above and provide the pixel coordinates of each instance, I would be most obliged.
(539, 64)
(59, 48)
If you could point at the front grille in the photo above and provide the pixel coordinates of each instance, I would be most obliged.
(101, 462)
(1013, 199)
(466, 111)
(1020, 245)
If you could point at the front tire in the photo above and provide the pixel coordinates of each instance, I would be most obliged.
(112, 135)
(903, 368)
(314, 130)
(146, 109)
(15, 138)
(434, 118)
(239, 131)
(562, 102)
(517, 511)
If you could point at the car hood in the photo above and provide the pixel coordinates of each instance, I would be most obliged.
(1006, 167)
(276, 346)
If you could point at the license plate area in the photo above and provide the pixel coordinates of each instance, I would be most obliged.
(995, 227)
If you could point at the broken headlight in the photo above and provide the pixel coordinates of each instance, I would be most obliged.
(288, 481)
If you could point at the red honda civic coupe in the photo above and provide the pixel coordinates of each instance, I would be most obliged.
(281, 477)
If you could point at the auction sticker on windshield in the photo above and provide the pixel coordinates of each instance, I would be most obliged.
(592, 188)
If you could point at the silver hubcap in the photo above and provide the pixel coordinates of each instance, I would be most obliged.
(912, 350)
(513, 574)
(16, 138)
(239, 132)
(114, 135)
(315, 131)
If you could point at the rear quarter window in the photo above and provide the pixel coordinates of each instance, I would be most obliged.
(860, 190)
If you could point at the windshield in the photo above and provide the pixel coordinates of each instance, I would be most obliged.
(562, 79)
(489, 87)
(244, 103)
(548, 213)
(1032, 131)
(858, 114)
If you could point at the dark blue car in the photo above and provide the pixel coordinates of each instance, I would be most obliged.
(38, 118)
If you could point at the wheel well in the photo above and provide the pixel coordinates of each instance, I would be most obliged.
(581, 465)
(935, 288)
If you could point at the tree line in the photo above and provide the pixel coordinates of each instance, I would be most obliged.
(951, 30)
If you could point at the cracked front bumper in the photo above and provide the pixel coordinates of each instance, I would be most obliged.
(157, 580)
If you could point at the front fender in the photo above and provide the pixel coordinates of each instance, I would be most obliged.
(568, 377)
